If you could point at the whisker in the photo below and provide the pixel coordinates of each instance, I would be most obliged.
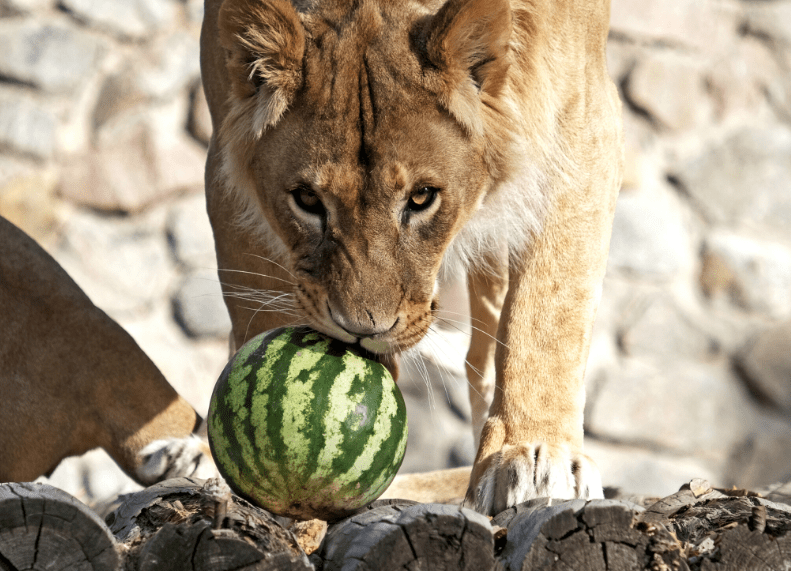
(470, 365)
(271, 261)
(274, 303)
(452, 323)
(260, 275)
(439, 363)
(465, 315)
(259, 309)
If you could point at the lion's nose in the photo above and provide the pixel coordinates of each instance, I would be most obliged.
(366, 326)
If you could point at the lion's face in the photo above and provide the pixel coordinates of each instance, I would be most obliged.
(340, 135)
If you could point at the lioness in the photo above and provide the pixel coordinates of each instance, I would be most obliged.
(72, 379)
(362, 147)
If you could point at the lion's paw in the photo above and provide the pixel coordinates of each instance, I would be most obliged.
(518, 473)
(175, 458)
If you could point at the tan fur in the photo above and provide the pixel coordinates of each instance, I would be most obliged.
(72, 379)
(505, 107)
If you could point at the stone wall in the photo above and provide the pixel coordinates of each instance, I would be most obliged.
(103, 130)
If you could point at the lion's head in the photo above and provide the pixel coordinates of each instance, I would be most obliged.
(360, 141)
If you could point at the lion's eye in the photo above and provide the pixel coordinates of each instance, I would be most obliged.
(422, 198)
(307, 200)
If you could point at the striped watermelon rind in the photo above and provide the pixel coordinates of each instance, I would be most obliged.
(306, 426)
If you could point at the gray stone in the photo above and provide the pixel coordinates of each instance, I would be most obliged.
(766, 362)
(433, 428)
(671, 90)
(462, 452)
(199, 307)
(747, 179)
(128, 19)
(47, 55)
(139, 157)
(752, 274)
(642, 471)
(650, 236)
(200, 126)
(170, 65)
(658, 330)
(26, 126)
(739, 80)
(191, 365)
(121, 264)
(94, 477)
(14, 7)
(190, 233)
(117, 176)
(700, 24)
(195, 11)
(681, 406)
(770, 19)
(761, 457)
(27, 198)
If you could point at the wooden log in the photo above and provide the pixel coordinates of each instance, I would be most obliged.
(597, 536)
(190, 525)
(43, 527)
(399, 537)
(698, 527)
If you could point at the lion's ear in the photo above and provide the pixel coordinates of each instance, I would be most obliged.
(265, 42)
(468, 41)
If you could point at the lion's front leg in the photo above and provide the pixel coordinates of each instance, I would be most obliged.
(531, 444)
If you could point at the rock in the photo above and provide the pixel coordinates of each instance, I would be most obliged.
(191, 365)
(200, 126)
(93, 477)
(658, 330)
(699, 24)
(684, 406)
(190, 234)
(639, 471)
(27, 126)
(47, 55)
(139, 157)
(739, 80)
(671, 91)
(766, 364)
(122, 265)
(27, 199)
(132, 19)
(752, 274)
(433, 428)
(650, 237)
(118, 176)
(462, 452)
(761, 456)
(746, 179)
(195, 11)
(199, 308)
(15, 7)
(771, 20)
(169, 66)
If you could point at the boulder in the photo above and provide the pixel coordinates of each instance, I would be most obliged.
(746, 179)
(48, 55)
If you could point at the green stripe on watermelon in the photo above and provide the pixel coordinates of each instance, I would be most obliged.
(320, 429)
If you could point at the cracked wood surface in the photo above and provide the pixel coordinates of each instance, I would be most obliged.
(42, 527)
(409, 537)
(193, 525)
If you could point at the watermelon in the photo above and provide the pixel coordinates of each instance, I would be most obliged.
(306, 426)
